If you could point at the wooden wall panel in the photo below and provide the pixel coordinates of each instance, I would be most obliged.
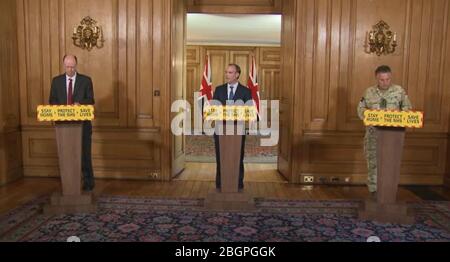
(235, 6)
(334, 72)
(178, 79)
(319, 75)
(131, 103)
(411, 63)
(447, 167)
(269, 56)
(317, 115)
(243, 59)
(219, 60)
(338, 155)
(10, 140)
(104, 65)
(136, 153)
(10, 156)
(267, 63)
(289, 51)
(194, 71)
(140, 108)
(428, 52)
(269, 83)
(193, 81)
(31, 56)
(446, 79)
(362, 65)
(193, 54)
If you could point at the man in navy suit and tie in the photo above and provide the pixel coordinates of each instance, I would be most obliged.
(73, 88)
(231, 91)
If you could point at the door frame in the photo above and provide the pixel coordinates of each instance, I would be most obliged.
(287, 80)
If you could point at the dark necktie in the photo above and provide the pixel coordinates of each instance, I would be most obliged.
(70, 93)
(383, 103)
(231, 94)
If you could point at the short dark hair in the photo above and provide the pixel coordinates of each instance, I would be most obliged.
(76, 59)
(383, 69)
(238, 68)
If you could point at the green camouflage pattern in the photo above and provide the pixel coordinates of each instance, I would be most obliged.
(394, 98)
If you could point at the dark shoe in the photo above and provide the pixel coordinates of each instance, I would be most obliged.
(88, 184)
(373, 196)
(93, 183)
(88, 188)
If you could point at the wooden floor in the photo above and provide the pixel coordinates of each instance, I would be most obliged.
(24, 190)
(253, 172)
(197, 183)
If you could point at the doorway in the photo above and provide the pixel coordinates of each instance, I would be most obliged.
(225, 39)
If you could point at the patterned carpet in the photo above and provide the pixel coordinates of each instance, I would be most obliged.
(150, 219)
(201, 149)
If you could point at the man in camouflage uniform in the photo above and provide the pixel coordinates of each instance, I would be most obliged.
(382, 96)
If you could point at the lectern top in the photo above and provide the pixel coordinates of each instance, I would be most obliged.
(393, 118)
(65, 113)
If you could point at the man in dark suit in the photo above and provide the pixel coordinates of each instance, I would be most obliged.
(231, 91)
(73, 88)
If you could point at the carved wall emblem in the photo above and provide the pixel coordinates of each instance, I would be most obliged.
(88, 34)
(381, 40)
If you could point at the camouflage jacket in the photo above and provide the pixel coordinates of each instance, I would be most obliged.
(394, 98)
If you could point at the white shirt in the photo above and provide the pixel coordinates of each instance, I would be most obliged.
(74, 78)
(232, 88)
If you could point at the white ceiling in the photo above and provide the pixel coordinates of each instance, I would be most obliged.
(253, 30)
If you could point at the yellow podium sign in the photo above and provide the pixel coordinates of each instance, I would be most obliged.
(65, 112)
(230, 113)
(410, 119)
